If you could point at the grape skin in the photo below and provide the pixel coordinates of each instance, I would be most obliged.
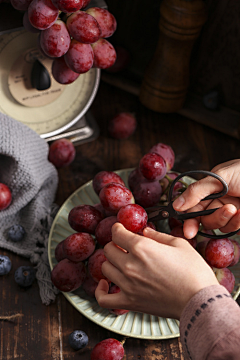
(113, 196)
(166, 152)
(103, 178)
(104, 54)
(95, 265)
(105, 19)
(42, 14)
(55, 41)
(108, 349)
(68, 276)
(103, 232)
(62, 73)
(83, 27)
(153, 166)
(21, 5)
(79, 57)
(133, 217)
(68, 6)
(122, 125)
(27, 25)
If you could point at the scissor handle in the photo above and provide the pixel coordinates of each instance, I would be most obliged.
(204, 172)
(209, 197)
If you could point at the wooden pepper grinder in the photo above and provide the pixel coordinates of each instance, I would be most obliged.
(166, 79)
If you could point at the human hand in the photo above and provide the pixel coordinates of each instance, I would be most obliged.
(158, 275)
(227, 217)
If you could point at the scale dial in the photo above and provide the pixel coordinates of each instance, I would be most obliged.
(51, 118)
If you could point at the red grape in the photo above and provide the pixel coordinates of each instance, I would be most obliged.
(67, 275)
(113, 196)
(100, 208)
(236, 252)
(114, 289)
(108, 349)
(178, 232)
(59, 252)
(85, 3)
(78, 247)
(147, 193)
(104, 54)
(27, 25)
(105, 19)
(95, 265)
(225, 278)
(134, 178)
(61, 72)
(61, 152)
(55, 41)
(84, 218)
(166, 152)
(133, 217)
(79, 57)
(172, 222)
(122, 125)
(103, 232)
(21, 5)
(83, 27)
(42, 14)
(89, 286)
(103, 178)
(153, 166)
(219, 253)
(68, 6)
(5, 196)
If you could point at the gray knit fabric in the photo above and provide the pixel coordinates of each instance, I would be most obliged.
(33, 180)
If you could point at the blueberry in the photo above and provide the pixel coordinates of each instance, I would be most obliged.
(16, 233)
(25, 275)
(78, 339)
(5, 265)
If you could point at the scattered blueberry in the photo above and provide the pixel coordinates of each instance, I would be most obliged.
(78, 339)
(211, 100)
(16, 233)
(5, 265)
(25, 275)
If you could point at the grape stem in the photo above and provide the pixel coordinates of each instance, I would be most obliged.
(170, 182)
(123, 341)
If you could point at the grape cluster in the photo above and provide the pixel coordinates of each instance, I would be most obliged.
(73, 37)
(148, 184)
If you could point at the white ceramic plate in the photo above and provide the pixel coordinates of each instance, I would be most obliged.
(131, 324)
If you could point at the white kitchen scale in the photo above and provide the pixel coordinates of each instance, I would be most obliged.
(57, 112)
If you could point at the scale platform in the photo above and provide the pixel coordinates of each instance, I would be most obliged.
(62, 111)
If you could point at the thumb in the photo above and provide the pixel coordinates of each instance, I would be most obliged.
(196, 192)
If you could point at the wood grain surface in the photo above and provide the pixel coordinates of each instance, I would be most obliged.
(42, 331)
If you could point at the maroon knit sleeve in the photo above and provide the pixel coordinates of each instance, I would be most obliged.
(210, 326)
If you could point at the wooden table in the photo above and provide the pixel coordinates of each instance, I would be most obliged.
(42, 332)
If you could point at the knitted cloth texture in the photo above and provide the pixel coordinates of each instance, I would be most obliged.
(33, 180)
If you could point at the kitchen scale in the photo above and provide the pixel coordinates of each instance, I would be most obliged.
(57, 112)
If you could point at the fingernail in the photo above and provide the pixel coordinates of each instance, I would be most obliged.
(227, 214)
(179, 202)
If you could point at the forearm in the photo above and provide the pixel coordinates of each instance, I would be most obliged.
(209, 326)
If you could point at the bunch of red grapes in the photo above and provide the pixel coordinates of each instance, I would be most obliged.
(73, 37)
(80, 256)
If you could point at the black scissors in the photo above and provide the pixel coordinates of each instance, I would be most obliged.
(157, 213)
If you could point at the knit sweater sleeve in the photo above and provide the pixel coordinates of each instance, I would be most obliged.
(210, 326)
